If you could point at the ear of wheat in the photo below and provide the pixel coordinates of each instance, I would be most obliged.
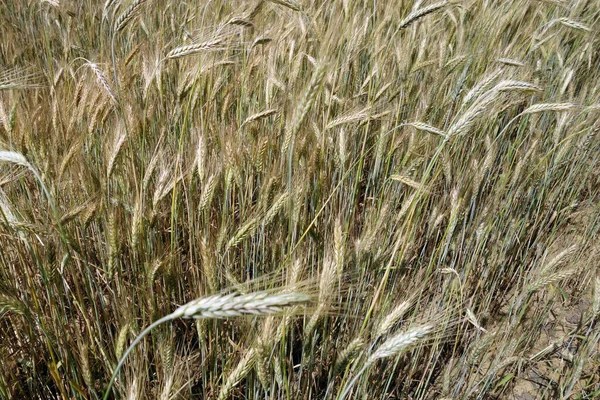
(129, 13)
(101, 79)
(260, 115)
(390, 348)
(182, 51)
(400, 341)
(574, 24)
(510, 62)
(236, 305)
(107, 5)
(221, 306)
(542, 107)
(426, 128)
(304, 106)
(415, 15)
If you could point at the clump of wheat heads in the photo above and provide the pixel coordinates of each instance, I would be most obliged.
(221, 306)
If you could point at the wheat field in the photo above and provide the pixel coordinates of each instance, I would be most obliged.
(299, 199)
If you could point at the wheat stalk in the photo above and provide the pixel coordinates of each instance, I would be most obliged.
(478, 347)
(482, 170)
(75, 212)
(121, 338)
(240, 21)
(264, 346)
(472, 318)
(453, 219)
(342, 148)
(112, 242)
(6, 210)
(11, 304)
(137, 220)
(339, 242)
(260, 41)
(592, 107)
(14, 158)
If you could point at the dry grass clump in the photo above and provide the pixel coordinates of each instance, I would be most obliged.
(426, 171)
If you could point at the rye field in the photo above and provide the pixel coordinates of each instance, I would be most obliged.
(299, 199)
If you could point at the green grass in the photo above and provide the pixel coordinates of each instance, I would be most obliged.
(427, 172)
